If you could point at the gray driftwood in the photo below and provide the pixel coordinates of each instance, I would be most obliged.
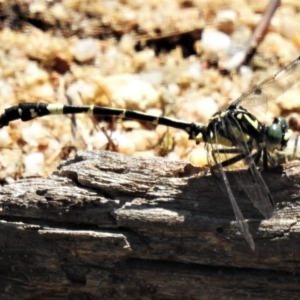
(109, 226)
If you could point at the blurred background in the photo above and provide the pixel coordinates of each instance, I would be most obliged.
(184, 59)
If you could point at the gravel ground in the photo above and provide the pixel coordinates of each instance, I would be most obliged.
(159, 57)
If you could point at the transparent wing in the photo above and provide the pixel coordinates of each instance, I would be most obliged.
(257, 190)
(259, 96)
(271, 87)
(251, 180)
(218, 171)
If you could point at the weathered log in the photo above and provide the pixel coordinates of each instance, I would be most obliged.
(109, 226)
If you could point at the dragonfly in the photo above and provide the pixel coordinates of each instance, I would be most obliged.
(233, 133)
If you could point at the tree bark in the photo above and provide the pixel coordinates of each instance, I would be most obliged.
(109, 226)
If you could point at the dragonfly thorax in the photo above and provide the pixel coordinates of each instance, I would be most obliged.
(235, 127)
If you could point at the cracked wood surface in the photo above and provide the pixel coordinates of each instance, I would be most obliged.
(109, 226)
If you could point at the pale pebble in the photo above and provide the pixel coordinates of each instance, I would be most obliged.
(195, 70)
(154, 112)
(173, 156)
(34, 164)
(198, 156)
(86, 49)
(215, 40)
(124, 145)
(34, 134)
(127, 43)
(37, 7)
(153, 77)
(53, 145)
(275, 44)
(81, 92)
(128, 91)
(142, 139)
(34, 75)
(5, 139)
(6, 90)
(110, 5)
(43, 91)
(173, 88)
(225, 20)
(198, 110)
(289, 100)
(98, 140)
(143, 58)
(59, 12)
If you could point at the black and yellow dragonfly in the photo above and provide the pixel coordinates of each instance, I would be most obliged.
(233, 133)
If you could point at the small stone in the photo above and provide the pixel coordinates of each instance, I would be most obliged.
(124, 145)
(5, 139)
(225, 20)
(82, 91)
(153, 77)
(6, 90)
(198, 156)
(34, 164)
(195, 70)
(296, 40)
(198, 110)
(215, 40)
(37, 7)
(42, 91)
(143, 139)
(289, 101)
(86, 50)
(98, 141)
(59, 11)
(127, 43)
(128, 91)
(120, 141)
(143, 58)
(34, 134)
(34, 75)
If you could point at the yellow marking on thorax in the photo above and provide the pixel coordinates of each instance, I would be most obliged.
(240, 135)
(254, 123)
(220, 140)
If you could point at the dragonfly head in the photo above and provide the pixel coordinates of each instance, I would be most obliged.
(277, 134)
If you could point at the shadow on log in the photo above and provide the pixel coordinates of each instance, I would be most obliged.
(109, 226)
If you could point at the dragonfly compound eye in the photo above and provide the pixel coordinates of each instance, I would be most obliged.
(282, 122)
(284, 128)
(274, 136)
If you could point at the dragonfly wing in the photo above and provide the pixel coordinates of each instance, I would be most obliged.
(222, 180)
(251, 180)
(258, 191)
(271, 88)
